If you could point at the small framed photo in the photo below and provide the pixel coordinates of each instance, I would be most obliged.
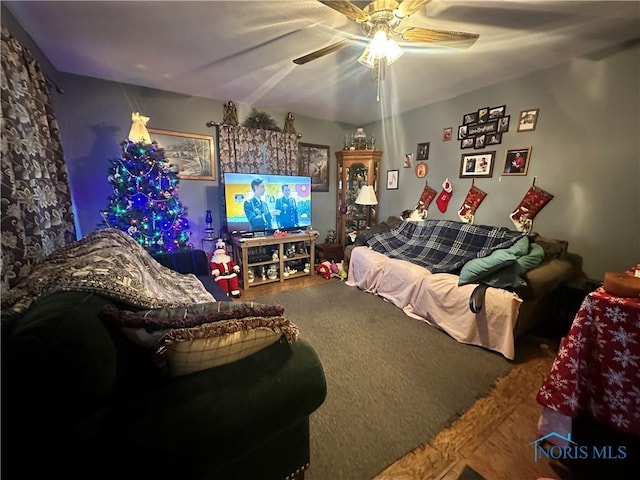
(467, 142)
(470, 118)
(392, 179)
(477, 165)
(528, 119)
(497, 112)
(447, 134)
(408, 160)
(423, 151)
(516, 161)
(483, 115)
(421, 169)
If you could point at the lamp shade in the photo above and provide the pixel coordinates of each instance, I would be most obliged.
(367, 196)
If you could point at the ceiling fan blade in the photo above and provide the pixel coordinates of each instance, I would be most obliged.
(348, 9)
(447, 38)
(407, 7)
(334, 47)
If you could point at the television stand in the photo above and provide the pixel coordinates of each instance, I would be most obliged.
(260, 247)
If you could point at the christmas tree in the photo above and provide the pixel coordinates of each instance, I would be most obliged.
(145, 201)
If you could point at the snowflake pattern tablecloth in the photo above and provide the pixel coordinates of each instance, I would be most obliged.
(597, 368)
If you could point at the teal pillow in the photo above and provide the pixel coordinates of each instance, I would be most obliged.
(477, 269)
(511, 276)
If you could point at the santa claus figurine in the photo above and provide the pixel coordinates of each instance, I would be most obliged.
(224, 270)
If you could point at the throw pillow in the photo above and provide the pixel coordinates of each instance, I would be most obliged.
(204, 335)
(188, 316)
(187, 350)
(475, 270)
(512, 274)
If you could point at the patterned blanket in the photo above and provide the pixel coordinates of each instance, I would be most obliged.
(111, 263)
(442, 246)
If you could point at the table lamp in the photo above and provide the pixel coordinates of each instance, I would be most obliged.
(367, 197)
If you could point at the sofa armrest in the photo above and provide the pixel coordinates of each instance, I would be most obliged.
(546, 277)
(185, 261)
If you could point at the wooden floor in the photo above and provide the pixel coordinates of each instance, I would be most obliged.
(493, 437)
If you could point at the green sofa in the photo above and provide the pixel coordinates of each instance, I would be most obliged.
(79, 400)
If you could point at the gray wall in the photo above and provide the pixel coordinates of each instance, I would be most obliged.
(95, 117)
(586, 150)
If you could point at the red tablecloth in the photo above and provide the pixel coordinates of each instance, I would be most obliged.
(597, 368)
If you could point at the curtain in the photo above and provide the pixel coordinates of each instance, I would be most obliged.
(37, 216)
(250, 150)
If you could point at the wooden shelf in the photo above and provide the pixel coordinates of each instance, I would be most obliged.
(242, 248)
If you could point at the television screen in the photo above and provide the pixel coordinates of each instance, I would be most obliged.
(264, 203)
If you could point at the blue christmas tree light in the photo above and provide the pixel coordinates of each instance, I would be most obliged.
(145, 201)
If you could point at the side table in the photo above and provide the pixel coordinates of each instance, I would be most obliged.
(209, 245)
(327, 252)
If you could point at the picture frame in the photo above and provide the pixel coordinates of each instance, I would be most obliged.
(408, 160)
(447, 134)
(193, 155)
(516, 161)
(313, 161)
(392, 179)
(423, 151)
(422, 169)
(528, 119)
(477, 164)
(484, 127)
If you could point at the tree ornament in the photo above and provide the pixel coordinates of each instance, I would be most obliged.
(475, 196)
(445, 195)
(532, 202)
(139, 132)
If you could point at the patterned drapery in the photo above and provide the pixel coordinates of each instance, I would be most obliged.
(250, 150)
(37, 215)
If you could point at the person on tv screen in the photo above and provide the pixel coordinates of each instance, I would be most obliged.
(287, 210)
(256, 209)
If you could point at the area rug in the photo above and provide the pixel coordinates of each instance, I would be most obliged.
(393, 382)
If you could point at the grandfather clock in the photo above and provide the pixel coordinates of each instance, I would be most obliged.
(356, 168)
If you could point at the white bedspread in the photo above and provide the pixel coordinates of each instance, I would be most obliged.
(438, 300)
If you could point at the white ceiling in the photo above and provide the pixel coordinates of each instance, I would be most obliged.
(243, 50)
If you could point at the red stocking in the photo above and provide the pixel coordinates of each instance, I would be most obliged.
(534, 200)
(467, 211)
(428, 194)
(444, 196)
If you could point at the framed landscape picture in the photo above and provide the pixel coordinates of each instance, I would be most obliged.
(313, 160)
(191, 154)
(477, 165)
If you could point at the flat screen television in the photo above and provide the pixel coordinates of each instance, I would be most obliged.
(279, 202)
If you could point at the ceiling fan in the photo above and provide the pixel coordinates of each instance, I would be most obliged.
(381, 21)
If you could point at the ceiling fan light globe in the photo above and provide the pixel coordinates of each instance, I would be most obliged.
(367, 59)
(379, 44)
(394, 52)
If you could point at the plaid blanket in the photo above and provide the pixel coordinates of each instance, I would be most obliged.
(442, 246)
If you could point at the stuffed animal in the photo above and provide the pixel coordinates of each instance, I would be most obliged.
(224, 270)
(324, 270)
(331, 269)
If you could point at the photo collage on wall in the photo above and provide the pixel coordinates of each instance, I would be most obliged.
(483, 128)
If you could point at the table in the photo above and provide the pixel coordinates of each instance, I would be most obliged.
(329, 252)
(597, 368)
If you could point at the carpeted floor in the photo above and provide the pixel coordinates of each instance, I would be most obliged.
(393, 382)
